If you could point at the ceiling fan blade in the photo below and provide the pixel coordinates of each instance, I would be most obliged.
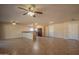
(38, 12)
(25, 13)
(22, 8)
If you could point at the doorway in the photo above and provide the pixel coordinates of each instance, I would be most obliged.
(39, 33)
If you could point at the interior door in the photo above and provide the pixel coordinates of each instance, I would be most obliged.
(40, 32)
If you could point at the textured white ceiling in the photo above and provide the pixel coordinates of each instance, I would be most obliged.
(56, 13)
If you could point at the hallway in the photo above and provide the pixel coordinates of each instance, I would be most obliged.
(42, 46)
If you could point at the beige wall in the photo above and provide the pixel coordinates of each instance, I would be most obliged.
(46, 31)
(59, 30)
(11, 31)
(67, 30)
(1, 31)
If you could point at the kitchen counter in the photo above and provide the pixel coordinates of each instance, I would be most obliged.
(29, 34)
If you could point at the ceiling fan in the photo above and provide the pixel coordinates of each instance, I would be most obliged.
(31, 10)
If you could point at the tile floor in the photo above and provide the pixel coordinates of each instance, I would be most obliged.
(42, 46)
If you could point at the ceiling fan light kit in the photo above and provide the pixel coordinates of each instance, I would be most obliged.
(13, 23)
(31, 13)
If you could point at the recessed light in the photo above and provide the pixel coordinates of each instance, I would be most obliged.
(51, 22)
(13, 23)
